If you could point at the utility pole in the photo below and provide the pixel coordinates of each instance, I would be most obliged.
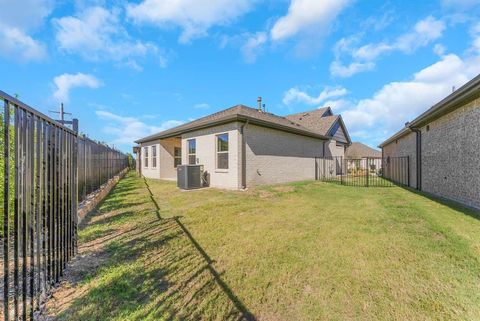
(73, 122)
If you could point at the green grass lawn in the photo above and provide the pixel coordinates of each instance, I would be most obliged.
(302, 251)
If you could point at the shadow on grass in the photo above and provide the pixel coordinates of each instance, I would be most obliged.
(454, 205)
(148, 269)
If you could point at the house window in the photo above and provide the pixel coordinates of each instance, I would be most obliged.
(154, 156)
(177, 156)
(145, 157)
(192, 151)
(222, 151)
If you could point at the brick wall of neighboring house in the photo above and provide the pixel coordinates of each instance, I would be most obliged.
(206, 154)
(451, 155)
(150, 171)
(404, 146)
(274, 156)
(331, 149)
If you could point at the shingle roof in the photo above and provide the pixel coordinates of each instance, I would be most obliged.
(315, 120)
(358, 150)
(237, 113)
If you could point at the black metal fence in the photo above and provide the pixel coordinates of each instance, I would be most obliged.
(368, 172)
(40, 165)
(97, 163)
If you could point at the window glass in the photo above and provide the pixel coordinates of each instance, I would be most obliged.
(177, 156)
(192, 150)
(145, 156)
(222, 143)
(222, 151)
(154, 156)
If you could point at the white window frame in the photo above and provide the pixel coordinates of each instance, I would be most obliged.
(217, 152)
(191, 154)
(154, 156)
(145, 156)
(175, 157)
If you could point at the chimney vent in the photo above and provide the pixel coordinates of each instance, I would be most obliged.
(259, 103)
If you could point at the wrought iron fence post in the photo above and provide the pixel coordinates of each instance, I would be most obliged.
(367, 171)
(6, 191)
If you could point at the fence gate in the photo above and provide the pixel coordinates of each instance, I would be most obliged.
(367, 172)
(39, 165)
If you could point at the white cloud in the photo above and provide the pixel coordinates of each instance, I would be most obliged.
(425, 31)
(125, 130)
(309, 16)
(340, 70)
(475, 33)
(97, 34)
(460, 4)
(24, 14)
(18, 19)
(439, 49)
(398, 102)
(194, 17)
(295, 95)
(66, 82)
(252, 47)
(16, 43)
(202, 106)
(363, 58)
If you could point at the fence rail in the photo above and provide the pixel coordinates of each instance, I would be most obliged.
(368, 172)
(45, 169)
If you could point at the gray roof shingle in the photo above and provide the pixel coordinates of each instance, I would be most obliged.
(237, 113)
(358, 150)
(315, 120)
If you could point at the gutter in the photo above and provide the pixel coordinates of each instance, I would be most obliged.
(244, 156)
(418, 156)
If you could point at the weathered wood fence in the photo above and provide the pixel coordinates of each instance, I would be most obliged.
(46, 169)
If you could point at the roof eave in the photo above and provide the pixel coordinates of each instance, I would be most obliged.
(403, 132)
(229, 119)
(463, 95)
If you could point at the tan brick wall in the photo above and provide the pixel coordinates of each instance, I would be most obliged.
(206, 154)
(405, 146)
(451, 155)
(167, 150)
(150, 171)
(275, 156)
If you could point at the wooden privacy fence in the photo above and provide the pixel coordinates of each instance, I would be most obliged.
(367, 172)
(45, 169)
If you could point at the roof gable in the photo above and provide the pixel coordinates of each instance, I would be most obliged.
(237, 113)
(323, 122)
(358, 150)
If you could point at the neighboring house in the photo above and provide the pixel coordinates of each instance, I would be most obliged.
(360, 151)
(241, 146)
(361, 156)
(443, 145)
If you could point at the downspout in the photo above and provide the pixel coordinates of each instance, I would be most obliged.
(418, 157)
(244, 156)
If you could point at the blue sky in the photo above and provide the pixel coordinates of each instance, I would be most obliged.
(127, 69)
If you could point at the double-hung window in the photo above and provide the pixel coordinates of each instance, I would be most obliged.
(177, 156)
(145, 156)
(222, 151)
(154, 156)
(192, 151)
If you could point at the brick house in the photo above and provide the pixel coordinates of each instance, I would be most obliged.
(443, 145)
(240, 147)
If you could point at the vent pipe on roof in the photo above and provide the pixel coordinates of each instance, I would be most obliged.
(259, 103)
